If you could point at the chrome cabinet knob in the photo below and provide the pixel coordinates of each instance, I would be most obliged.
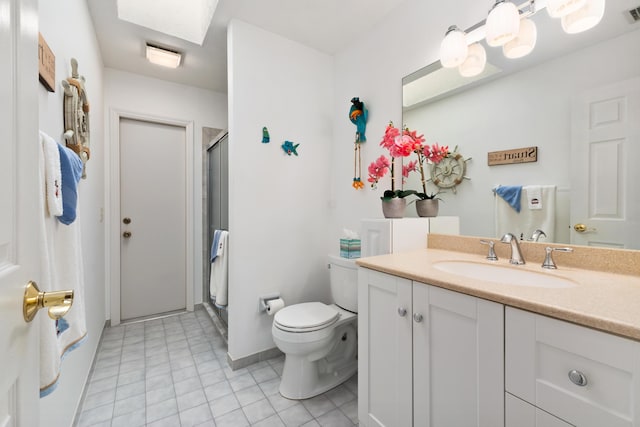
(417, 317)
(577, 378)
(402, 311)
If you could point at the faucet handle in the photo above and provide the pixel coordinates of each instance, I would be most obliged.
(491, 256)
(548, 259)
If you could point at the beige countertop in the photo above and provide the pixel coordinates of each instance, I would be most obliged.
(601, 300)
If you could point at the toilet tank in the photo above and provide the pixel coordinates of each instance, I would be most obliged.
(343, 276)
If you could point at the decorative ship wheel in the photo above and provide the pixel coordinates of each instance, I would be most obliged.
(450, 172)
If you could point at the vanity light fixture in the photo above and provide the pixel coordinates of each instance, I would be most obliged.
(163, 56)
(453, 49)
(475, 62)
(503, 23)
(585, 18)
(560, 8)
(509, 26)
(524, 42)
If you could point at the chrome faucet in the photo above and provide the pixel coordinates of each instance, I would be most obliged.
(516, 255)
(536, 235)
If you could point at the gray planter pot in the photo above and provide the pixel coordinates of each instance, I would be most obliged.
(427, 207)
(394, 208)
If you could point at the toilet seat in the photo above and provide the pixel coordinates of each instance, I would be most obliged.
(305, 317)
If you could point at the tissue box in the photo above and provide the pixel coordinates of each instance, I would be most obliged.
(350, 248)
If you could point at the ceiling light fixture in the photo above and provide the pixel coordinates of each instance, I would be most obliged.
(162, 56)
(188, 20)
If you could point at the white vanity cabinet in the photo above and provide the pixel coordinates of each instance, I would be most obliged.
(519, 413)
(427, 356)
(584, 377)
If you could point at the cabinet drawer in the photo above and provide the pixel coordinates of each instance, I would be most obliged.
(581, 375)
(519, 413)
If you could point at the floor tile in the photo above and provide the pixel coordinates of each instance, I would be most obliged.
(295, 415)
(334, 418)
(173, 372)
(249, 395)
(195, 415)
(258, 411)
(232, 419)
(224, 405)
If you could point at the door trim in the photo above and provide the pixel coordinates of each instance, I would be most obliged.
(112, 220)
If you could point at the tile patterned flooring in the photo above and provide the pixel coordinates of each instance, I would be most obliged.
(173, 372)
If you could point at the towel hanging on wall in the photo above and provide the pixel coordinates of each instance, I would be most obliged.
(61, 268)
(219, 278)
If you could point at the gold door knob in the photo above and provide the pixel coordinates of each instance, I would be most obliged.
(59, 302)
(582, 228)
(126, 234)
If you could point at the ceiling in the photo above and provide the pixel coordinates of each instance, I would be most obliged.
(324, 25)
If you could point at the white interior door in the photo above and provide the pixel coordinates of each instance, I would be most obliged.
(152, 208)
(605, 169)
(18, 211)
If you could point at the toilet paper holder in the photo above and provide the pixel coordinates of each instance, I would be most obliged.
(264, 299)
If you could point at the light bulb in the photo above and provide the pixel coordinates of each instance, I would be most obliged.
(588, 16)
(475, 62)
(503, 23)
(453, 49)
(560, 8)
(524, 42)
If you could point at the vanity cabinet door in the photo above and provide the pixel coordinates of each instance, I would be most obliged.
(519, 413)
(586, 377)
(458, 359)
(384, 350)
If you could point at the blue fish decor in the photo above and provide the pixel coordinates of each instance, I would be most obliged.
(290, 148)
(358, 115)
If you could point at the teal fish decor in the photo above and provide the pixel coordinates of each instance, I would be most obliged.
(265, 135)
(290, 148)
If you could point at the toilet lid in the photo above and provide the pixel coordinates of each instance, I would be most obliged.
(305, 317)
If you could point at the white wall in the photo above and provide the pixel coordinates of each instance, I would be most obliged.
(372, 69)
(68, 30)
(528, 108)
(133, 93)
(277, 203)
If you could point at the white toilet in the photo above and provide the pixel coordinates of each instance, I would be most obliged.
(319, 340)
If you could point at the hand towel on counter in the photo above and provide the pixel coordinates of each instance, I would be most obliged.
(219, 278)
(61, 268)
(71, 170)
(511, 194)
(524, 223)
(53, 175)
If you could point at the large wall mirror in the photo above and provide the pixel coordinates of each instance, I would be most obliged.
(576, 98)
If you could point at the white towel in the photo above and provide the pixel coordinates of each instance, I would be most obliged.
(534, 197)
(219, 278)
(53, 177)
(62, 268)
(528, 220)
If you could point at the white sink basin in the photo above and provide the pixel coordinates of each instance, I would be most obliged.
(503, 274)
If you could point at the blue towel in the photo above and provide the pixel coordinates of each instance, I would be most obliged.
(71, 170)
(510, 194)
(214, 245)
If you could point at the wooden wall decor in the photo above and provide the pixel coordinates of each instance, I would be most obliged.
(516, 155)
(46, 65)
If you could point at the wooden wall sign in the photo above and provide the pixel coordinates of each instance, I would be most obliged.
(517, 155)
(46, 65)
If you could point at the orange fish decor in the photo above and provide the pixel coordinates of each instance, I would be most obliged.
(358, 115)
